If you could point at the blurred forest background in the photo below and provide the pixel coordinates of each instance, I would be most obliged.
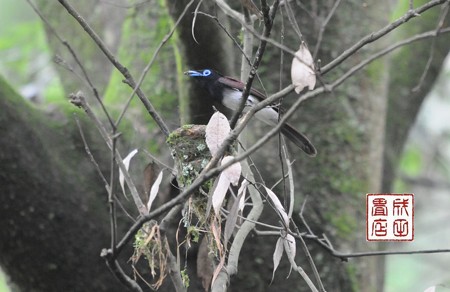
(30, 67)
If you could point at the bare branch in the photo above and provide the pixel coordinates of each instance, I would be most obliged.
(81, 102)
(380, 33)
(433, 46)
(299, 270)
(323, 26)
(77, 60)
(129, 78)
(268, 22)
(152, 60)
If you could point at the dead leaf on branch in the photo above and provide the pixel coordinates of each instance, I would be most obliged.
(302, 69)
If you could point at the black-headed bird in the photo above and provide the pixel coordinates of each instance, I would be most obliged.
(228, 92)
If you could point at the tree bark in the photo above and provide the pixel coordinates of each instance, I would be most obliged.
(53, 212)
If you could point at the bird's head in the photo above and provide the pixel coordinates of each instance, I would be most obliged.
(204, 74)
(207, 79)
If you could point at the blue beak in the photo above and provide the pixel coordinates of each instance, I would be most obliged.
(193, 73)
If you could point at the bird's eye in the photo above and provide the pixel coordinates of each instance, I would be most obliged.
(206, 72)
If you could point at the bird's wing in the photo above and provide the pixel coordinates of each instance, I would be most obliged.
(234, 83)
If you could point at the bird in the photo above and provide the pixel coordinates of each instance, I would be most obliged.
(228, 92)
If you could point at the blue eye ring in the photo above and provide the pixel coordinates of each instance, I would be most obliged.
(206, 73)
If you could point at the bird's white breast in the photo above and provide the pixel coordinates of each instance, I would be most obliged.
(232, 99)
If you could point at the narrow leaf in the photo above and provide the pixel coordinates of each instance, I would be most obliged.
(216, 131)
(292, 246)
(231, 219)
(220, 192)
(278, 205)
(126, 162)
(154, 191)
(302, 69)
(277, 256)
(241, 193)
(233, 172)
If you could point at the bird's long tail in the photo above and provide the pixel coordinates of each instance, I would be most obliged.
(299, 139)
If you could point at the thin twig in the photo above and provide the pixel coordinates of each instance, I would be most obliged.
(236, 43)
(77, 60)
(129, 78)
(380, 33)
(81, 102)
(440, 23)
(309, 258)
(293, 21)
(172, 262)
(268, 22)
(323, 26)
(152, 60)
(89, 153)
(117, 271)
(298, 269)
(345, 256)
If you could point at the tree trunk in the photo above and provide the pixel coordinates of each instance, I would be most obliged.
(53, 214)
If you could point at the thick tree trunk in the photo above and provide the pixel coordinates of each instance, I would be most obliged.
(53, 211)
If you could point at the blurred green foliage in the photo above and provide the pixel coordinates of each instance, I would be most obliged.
(3, 286)
(143, 30)
(24, 55)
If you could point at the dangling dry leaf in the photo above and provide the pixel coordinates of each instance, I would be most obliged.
(231, 219)
(241, 193)
(228, 176)
(126, 162)
(302, 69)
(277, 256)
(154, 191)
(220, 192)
(233, 172)
(292, 247)
(278, 205)
(216, 131)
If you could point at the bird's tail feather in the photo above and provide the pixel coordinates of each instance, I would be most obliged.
(299, 139)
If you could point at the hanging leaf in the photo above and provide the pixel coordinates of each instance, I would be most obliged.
(231, 219)
(302, 69)
(242, 190)
(292, 246)
(233, 172)
(216, 131)
(278, 205)
(154, 191)
(219, 192)
(277, 256)
(126, 162)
